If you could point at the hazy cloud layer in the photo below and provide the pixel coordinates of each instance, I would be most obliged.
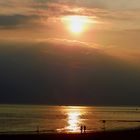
(17, 21)
(119, 13)
(59, 73)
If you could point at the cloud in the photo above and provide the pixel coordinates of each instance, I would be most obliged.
(117, 19)
(54, 46)
(18, 21)
(131, 55)
(100, 11)
(102, 4)
(64, 72)
(65, 41)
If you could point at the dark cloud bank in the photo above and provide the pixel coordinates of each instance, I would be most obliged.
(46, 73)
(17, 21)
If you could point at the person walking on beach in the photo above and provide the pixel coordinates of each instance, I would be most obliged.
(84, 129)
(81, 128)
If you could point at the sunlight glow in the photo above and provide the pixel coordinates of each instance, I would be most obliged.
(77, 24)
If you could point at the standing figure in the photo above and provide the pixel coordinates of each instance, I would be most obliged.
(104, 125)
(81, 128)
(85, 129)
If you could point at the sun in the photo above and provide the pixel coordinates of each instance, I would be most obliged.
(76, 24)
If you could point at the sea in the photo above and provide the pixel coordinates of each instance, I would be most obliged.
(66, 119)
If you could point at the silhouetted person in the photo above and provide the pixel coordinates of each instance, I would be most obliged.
(85, 129)
(104, 122)
(81, 128)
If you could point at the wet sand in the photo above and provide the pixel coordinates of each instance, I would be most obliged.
(133, 134)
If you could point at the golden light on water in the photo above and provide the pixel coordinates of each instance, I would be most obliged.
(73, 121)
(76, 24)
(74, 118)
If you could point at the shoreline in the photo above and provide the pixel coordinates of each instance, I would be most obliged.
(51, 132)
(129, 134)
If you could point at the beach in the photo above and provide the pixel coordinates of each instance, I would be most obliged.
(131, 134)
(66, 119)
(64, 123)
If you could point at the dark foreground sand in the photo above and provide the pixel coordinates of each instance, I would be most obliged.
(108, 135)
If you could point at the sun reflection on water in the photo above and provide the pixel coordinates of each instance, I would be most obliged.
(73, 121)
(74, 118)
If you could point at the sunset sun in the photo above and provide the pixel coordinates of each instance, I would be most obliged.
(76, 24)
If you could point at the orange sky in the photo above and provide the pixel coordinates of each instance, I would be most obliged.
(113, 27)
(70, 52)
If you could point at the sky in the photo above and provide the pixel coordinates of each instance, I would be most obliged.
(70, 52)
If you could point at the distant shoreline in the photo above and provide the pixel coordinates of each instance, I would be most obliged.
(78, 105)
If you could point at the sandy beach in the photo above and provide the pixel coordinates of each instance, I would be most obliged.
(133, 134)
